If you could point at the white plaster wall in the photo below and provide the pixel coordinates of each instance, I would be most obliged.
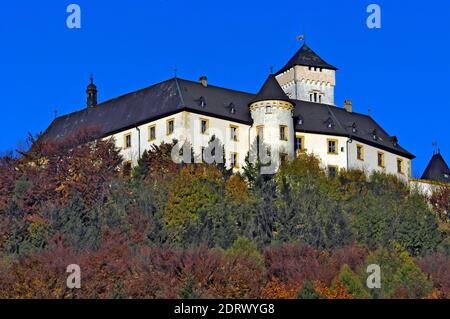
(370, 162)
(132, 154)
(298, 82)
(281, 114)
(317, 144)
(187, 128)
(222, 130)
(423, 187)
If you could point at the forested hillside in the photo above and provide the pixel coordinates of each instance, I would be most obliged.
(200, 231)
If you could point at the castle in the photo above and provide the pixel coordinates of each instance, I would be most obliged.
(293, 113)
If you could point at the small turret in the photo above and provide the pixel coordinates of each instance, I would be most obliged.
(272, 113)
(91, 94)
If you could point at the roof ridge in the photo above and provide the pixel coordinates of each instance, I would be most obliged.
(179, 92)
(113, 99)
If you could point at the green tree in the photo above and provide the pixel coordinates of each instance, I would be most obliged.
(400, 276)
(308, 291)
(309, 209)
(352, 282)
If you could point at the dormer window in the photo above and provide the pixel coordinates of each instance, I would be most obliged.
(395, 141)
(232, 108)
(329, 123)
(354, 130)
(374, 135)
(202, 101)
(300, 121)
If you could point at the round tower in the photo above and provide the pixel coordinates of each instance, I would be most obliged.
(273, 125)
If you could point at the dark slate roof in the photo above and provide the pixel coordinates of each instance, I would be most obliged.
(176, 95)
(331, 120)
(306, 57)
(437, 170)
(271, 90)
(159, 100)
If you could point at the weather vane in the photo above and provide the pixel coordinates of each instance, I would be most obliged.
(301, 37)
(435, 146)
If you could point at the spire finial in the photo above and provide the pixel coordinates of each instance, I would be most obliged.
(92, 78)
(301, 37)
(435, 147)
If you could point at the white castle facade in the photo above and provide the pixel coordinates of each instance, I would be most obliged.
(293, 113)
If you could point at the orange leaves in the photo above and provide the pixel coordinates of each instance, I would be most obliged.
(275, 289)
(336, 291)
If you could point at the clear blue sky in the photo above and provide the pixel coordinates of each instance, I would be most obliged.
(401, 71)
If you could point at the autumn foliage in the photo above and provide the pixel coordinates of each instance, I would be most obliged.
(170, 230)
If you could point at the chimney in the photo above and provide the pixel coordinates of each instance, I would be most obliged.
(204, 81)
(348, 106)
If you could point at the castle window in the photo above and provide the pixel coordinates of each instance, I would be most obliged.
(260, 131)
(283, 133)
(311, 97)
(204, 124)
(299, 144)
(127, 141)
(234, 133)
(320, 98)
(380, 159)
(332, 146)
(360, 152)
(332, 171)
(234, 160)
(170, 126)
(268, 109)
(152, 133)
(400, 169)
(315, 96)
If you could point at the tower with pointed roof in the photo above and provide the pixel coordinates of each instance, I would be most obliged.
(91, 94)
(308, 77)
(272, 114)
(437, 169)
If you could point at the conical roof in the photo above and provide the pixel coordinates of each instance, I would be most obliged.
(271, 90)
(437, 170)
(306, 57)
